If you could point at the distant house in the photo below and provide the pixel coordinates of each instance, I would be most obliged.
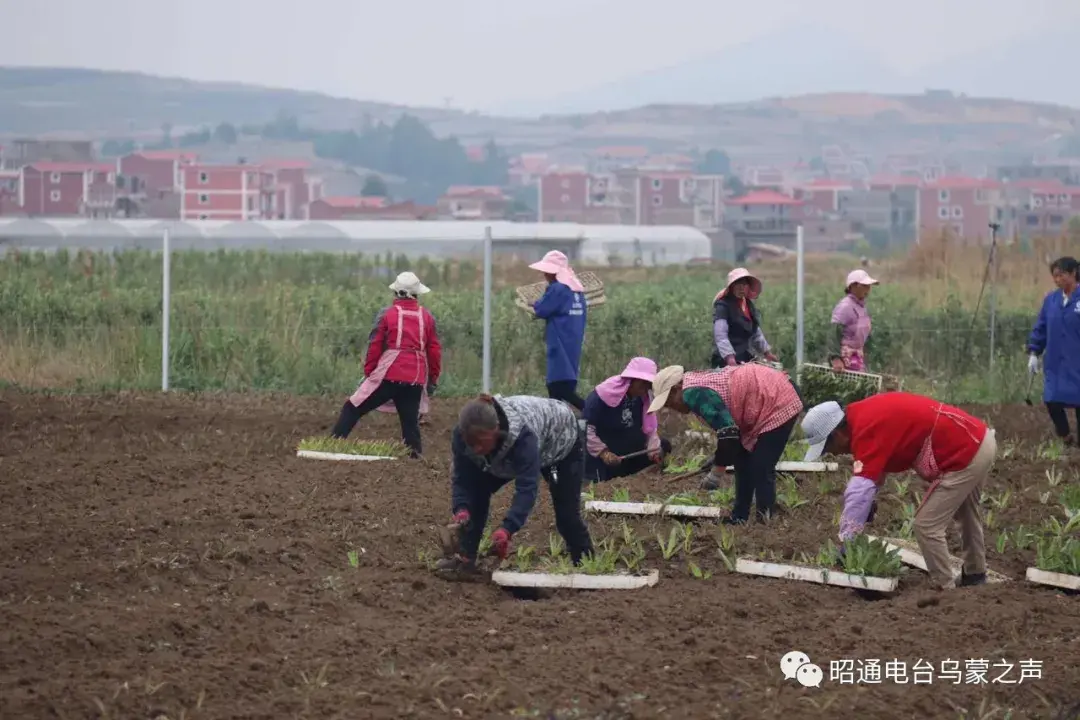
(57, 189)
(368, 208)
(227, 192)
(473, 202)
(961, 206)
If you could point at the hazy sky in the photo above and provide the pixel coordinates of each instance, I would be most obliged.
(480, 53)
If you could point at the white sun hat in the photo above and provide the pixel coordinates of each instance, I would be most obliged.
(408, 282)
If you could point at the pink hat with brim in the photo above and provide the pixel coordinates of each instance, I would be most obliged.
(736, 275)
(640, 368)
(859, 276)
(555, 263)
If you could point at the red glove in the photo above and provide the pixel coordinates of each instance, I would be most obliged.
(461, 517)
(500, 543)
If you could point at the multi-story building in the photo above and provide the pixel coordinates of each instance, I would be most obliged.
(473, 202)
(763, 216)
(57, 189)
(526, 169)
(962, 206)
(9, 192)
(227, 192)
(821, 196)
(1065, 173)
(1039, 208)
(632, 197)
(884, 209)
(621, 157)
(296, 189)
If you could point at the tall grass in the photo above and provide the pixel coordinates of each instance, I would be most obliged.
(299, 322)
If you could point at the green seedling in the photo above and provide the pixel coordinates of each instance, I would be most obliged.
(524, 558)
(863, 556)
(620, 495)
(1070, 499)
(907, 526)
(354, 558)
(721, 497)
(1044, 497)
(988, 521)
(789, 493)
(725, 539)
(485, 543)
(688, 499)
(633, 555)
(1002, 541)
(676, 466)
(1023, 538)
(604, 562)
(669, 548)
(1000, 502)
(342, 446)
(687, 537)
(1053, 476)
(819, 385)
(902, 487)
(1058, 554)
(589, 494)
(628, 536)
(697, 572)
(561, 565)
(826, 486)
(556, 545)
(1052, 450)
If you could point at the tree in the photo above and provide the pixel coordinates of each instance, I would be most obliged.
(715, 162)
(374, 186)
(225, 133)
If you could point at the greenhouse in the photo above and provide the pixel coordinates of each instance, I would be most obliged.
(585, 244)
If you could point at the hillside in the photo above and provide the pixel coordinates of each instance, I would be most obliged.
(102, 104)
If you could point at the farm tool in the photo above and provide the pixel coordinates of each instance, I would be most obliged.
(1027, 395)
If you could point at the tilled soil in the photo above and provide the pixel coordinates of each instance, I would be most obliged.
(171, 557)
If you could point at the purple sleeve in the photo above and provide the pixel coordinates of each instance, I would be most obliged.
(843, 313)
(858, 497)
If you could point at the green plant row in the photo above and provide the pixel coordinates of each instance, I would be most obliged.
(299, 323)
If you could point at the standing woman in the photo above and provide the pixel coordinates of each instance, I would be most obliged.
(618, 423)
(563, 307)
(737, 322)
(851, 324)
(403, 357)
(517, 438)
(753, 409)
(1057, 334)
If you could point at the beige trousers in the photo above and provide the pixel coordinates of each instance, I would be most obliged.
(956, 497)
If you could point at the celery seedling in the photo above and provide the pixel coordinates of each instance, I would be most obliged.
(620, 495)
(669, 548)
(556, 546)
(698, 573)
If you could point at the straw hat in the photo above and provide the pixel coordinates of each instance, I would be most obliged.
(738, 274)
(662, 384)
(408, 282)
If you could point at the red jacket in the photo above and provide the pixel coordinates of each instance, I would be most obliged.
(414, 346)
(888, 431)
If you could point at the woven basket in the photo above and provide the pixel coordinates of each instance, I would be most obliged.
(526, 295)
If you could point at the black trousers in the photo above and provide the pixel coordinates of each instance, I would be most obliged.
(564, 482)
(755, 472)
(406, 399)
(597, 471)
(566, 390)
(1060, 417)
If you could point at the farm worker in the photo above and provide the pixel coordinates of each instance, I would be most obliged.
(1056, 336)
(618, 424)
(753, 409)
(898, 431)
(403, 357)
(851, 323)
(737, 322)
(517, 438)
(563, 306)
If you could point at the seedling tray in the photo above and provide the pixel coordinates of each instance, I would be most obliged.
(821, 576)
(910, 555)
(574, 581)
(316, 455)
(526, 295)
(1055, 579)
(632, 508)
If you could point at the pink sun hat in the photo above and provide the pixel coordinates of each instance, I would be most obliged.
(555, 263)
(640, 368)
(859, 276)
(736, 275)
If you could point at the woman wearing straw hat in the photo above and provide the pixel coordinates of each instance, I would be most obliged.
(737, 322)
(563, 306)
(851, 323)
(753, 409)
(618, 424)
(404, 356)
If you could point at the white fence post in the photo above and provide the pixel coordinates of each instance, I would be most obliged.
(800, 289)
(486, 378)
(166, 283)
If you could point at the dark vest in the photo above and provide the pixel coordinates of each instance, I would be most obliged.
(617, 427)
(740, 329)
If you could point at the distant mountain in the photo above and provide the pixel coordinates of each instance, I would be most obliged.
(827, 62)
(1031, 69)
(78, 100)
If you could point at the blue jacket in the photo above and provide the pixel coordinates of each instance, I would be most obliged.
(1057, 332)
(564, 310)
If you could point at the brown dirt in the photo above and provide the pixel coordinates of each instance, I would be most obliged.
(170, 557)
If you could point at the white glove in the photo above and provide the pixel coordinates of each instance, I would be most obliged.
(1033, 364)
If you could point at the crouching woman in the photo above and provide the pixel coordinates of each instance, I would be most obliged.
(618, 425)
(517, 438)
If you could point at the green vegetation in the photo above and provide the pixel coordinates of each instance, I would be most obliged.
(299, 323)
(863, 556)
